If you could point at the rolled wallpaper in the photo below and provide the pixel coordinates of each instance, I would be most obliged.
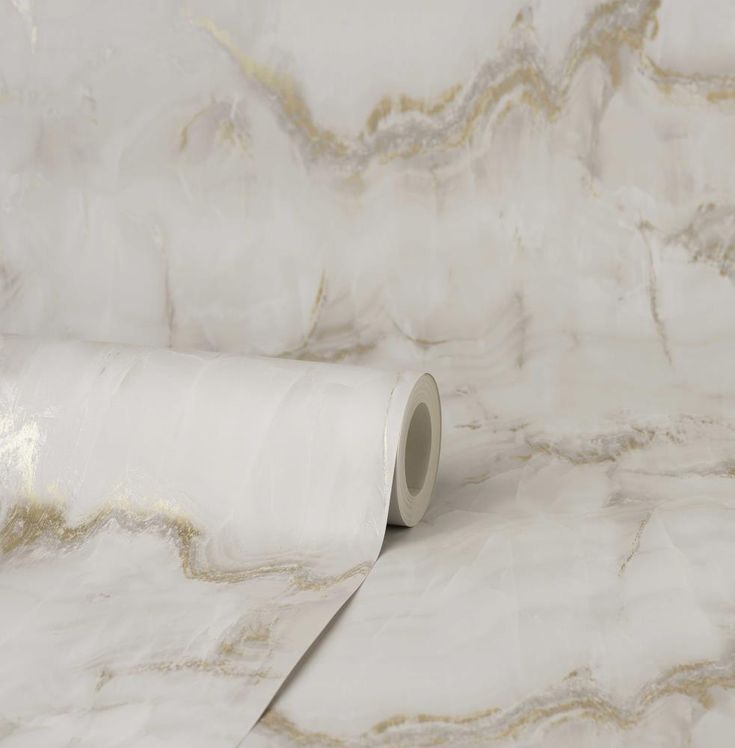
(170, 518)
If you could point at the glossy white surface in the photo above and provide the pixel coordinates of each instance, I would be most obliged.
(176, 529)
(536, 202)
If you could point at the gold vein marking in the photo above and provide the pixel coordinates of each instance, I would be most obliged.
(402, 104)
(451, 119)
(227, 130)
(277, 723)
(217, 666)
(471, 425)
(715, 88)
(636, 544)
(316, 307)
(571, 700)
(353, 350)
(244, 654)
(280, 87)
(401, 720)
(709, 237)
(653, 301)
(609, 446)
(598, 448)
(32, 524)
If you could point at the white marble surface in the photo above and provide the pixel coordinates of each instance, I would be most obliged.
(534, 200)
(176, 529)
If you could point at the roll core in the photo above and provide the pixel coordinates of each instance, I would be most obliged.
(417, 460)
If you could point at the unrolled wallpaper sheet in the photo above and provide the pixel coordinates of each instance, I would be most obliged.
(177, 528)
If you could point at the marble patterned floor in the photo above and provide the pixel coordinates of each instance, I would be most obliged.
(570, 585)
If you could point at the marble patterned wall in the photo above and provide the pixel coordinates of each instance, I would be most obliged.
(533, 200)
(317, 179)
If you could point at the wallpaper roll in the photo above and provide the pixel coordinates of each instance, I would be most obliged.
(177, 528)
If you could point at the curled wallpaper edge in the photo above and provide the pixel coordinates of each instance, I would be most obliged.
(227, 506)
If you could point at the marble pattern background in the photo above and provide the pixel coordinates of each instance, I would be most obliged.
(533, 200)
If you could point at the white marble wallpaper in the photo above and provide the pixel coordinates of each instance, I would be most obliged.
(533, 200)
(177, 528)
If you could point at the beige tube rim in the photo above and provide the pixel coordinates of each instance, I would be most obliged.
(417, 460)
